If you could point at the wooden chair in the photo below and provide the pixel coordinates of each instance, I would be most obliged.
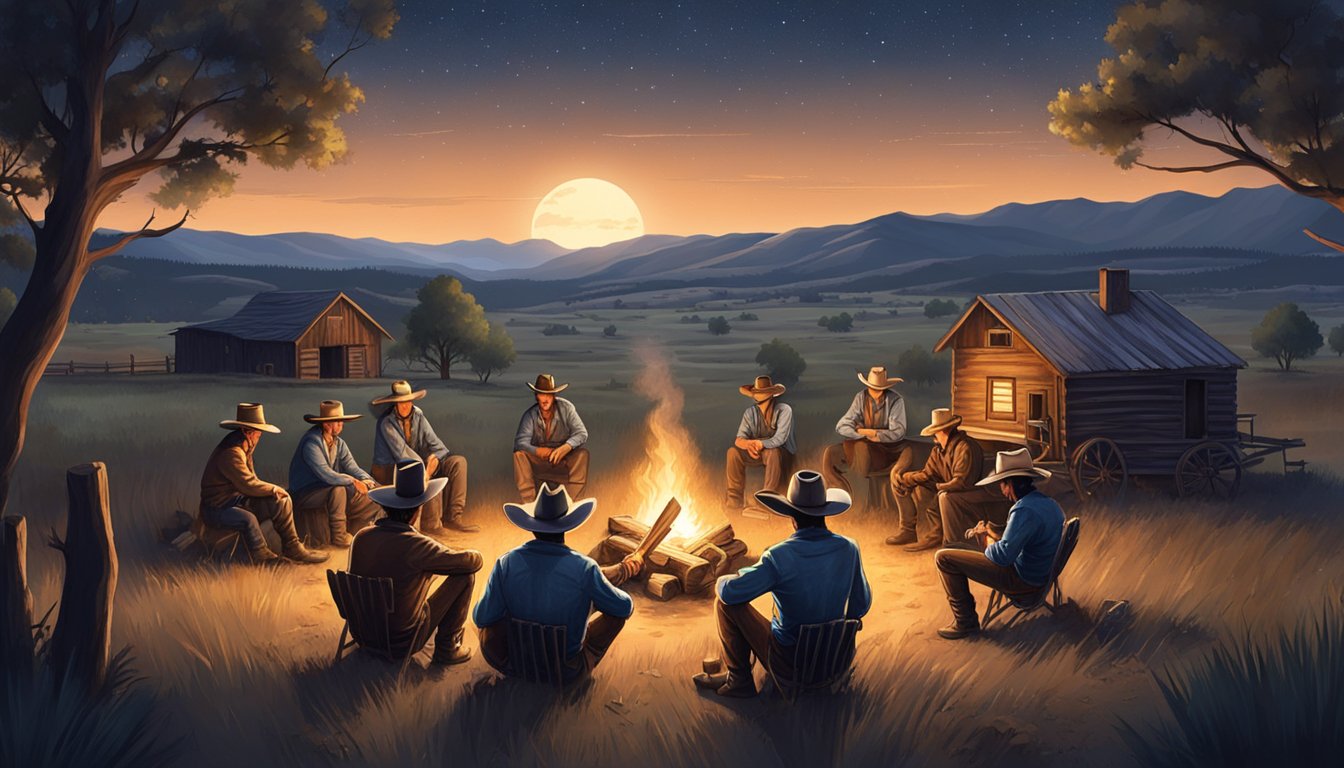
(1050, 596)
(823, 657)
(537, 652)
(366, 606)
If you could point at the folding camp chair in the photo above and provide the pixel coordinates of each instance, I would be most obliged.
(1050, 596)
(366, 605)
(537, 651)
(823, 657)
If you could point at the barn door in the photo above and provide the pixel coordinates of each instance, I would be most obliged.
(333, 363)
(355, 367)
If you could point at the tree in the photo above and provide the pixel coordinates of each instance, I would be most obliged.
(719, 325)
(609, 331)
(1286, 334)
(7, 302)
(781, 361)
(916, 364)
(841, 323)
(1255, 82)
(99, 94)
(1336, 336)
(495, 355)
(941, 308)
(446, 326)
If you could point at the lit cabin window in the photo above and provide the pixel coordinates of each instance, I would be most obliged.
(1000, 337)
(1002, 399)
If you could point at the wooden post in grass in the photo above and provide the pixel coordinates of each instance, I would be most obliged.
(16, 602)
(82, 638)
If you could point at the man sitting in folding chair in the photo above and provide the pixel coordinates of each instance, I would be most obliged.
(1018, 564)
(546, 583)
(815, 577)
(393, 548)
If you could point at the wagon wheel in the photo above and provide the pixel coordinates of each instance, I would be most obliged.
(1098, 470)
(1209, 469)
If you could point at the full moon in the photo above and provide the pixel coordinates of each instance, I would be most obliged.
(583, 213)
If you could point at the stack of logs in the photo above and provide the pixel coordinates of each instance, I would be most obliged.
(677, 565)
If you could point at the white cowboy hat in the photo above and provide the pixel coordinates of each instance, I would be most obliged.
(546, 385)
(401, 393)
(330, 410)
(808, 495)
(1013, 464)
(408, 489)
(250, 416)
(551, 512)
(941, 419)
(877, 378)
(763, 386)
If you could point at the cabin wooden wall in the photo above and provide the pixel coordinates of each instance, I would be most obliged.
(208, 352)
(342, 325)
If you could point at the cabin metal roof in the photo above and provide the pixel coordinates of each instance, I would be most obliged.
(280, 316)
(1075, 335)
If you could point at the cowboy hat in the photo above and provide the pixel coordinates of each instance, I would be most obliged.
(877, 378)
(401, 393)
(330, 410)
(763, 386)
(807, 495)
(546, 385)
(1013, 464)
(941, 419)
(551, 512)
(250, 416)
(408, 489)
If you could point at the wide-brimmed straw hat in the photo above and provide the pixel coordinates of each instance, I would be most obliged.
(401, 393)
(330, 410)
(409, 488)
(250, 416)
(877, 378)
(546, 385)
(763, 386)
(551, 512)
(807, 495)
(1014, 464)
(942, 418)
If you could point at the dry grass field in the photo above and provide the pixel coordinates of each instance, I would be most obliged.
(238, 658)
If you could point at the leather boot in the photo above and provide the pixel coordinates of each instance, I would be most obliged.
(457, 653)
(263, 555)
(904, 537)
(295, 551)
(341, 540)
(456, 523)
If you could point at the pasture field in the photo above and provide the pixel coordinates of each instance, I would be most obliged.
(239, 657)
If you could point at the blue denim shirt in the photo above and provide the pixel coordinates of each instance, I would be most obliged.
(753, 427)
(815, 576)
(549, 583)
(1035, 525)
(567, 428)
(312, 465)
(389, 442)
(891, 413)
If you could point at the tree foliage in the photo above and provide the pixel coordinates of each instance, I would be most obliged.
(1336, 337)
(918, 365)
(1257, 84)
(941, 308)
(446, 326)
(493, 356)
(1286, 334)
(609, 331)
(781, 361)
(719, 325)
(841, 323)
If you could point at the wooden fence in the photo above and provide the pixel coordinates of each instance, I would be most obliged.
(155, 365)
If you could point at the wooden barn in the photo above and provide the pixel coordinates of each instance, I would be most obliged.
(293, 334)
(1054, 370)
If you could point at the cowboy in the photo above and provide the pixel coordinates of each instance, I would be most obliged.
(392, 548)
(324, 478)
(943, 495)
(234, 498)
(546, 582)
(815, 576)
(549, 444)
(873, 430)
(1019, 563)
(403, 433)
(764, 439)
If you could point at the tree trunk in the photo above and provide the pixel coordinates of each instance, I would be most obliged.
(16, 602)
(83, 635)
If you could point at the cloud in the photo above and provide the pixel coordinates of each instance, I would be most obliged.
(554, 220)
(413, 201)
(417, 134)
(673, 135)
(883, 187)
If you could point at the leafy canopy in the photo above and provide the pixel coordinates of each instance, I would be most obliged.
(781, 361)
(1286, 333)
(447, 325)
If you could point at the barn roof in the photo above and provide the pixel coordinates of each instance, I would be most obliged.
(280, 316)
(1075, 335)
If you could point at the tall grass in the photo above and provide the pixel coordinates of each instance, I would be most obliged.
(1255, 701)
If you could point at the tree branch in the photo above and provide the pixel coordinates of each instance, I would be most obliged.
(1327, 242)
(131, 237)
(1196, 168)
(32, 223)
(147, 159)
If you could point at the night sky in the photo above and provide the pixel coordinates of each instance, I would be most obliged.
(714, 116)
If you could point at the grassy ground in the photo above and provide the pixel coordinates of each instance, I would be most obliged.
(240, 656)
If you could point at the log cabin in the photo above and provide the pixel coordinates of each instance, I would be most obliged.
(1052, 370)
(291, 334)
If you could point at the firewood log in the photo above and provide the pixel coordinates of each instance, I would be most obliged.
(693, 572)
(718, 536)
(625, 525)
(663, 586)
(735, 549)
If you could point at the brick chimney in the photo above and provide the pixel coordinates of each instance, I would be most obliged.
(1113, 295)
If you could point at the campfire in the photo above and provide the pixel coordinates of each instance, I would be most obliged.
(695, 549)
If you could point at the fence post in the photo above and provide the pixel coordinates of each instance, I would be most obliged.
(107, 367)
(72, 367)
(167, 365)
(82, 637)
(16, 602)
(132, 363)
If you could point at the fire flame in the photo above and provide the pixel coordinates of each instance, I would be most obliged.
(672, 463)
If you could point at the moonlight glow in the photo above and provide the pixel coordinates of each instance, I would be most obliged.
(583, 213)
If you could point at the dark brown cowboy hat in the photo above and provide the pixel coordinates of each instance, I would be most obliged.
(763, 386)
(546, 385)
(330, 410)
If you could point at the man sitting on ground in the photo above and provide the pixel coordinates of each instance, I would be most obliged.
(815, 576)
(325, 478)
(1017, 564)
(393, 548)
